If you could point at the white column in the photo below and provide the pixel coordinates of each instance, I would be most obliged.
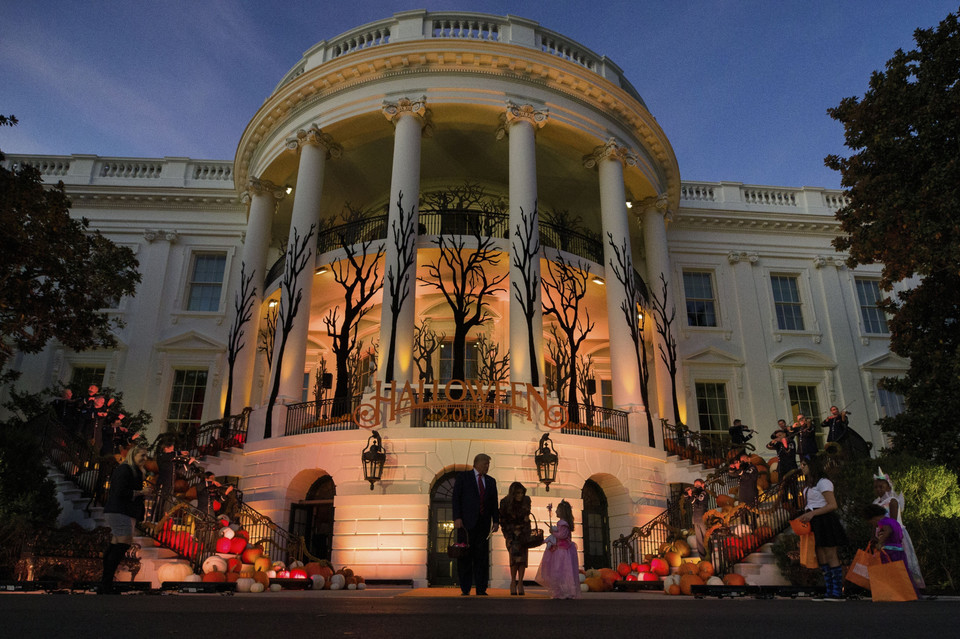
(654, 212)
(521, 123)
(409, 118)
(625, 377)
(314, 146)
(262, 195)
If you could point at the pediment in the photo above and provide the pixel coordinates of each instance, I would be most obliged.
(191, 341)
(887, 362)
(714, 357)
(801, 358)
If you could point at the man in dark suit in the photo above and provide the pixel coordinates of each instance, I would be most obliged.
(475, 509)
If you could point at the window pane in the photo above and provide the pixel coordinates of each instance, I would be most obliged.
(701, 307)
(712, 406)
(786, 301)
(206, 282)
(874, 319)
(83, 376)
(803, 399)
(186, 398)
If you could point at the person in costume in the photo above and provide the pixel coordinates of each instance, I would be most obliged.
(560, 568)
(892, 502)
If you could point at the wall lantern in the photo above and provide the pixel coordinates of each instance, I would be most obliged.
(373, 459)
(546, 459)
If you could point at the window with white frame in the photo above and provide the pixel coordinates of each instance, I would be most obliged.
(206, 281)
(874, 319)
(712, 406)
(701, 301)
(786, 302)
(446, 361)
(82, 377)
(891, 404)
(186, 398)
(803, 400)
(606, 393)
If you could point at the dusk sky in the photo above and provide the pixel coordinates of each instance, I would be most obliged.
(741, 88)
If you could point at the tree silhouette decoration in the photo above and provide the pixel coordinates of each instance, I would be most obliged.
(296, 261)
(267, 336)
(359, 276)
(528, 295)
(398, 276)
(561, 364)
(635, 299)
(243, 311)
(665, 313)
(362, 364)
(426, 342)
(460, 275)
(492, 368)
(584, 377)
(562, 295)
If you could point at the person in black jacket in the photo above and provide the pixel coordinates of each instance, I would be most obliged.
(747, 492)
(475, 510)
(698, 498)
(124, 508)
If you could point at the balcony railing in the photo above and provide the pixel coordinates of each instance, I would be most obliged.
(322, 417)
(455, 414)
(571, 242)
(596, 421)
(460, 222)
(700, 448)
(370, 228)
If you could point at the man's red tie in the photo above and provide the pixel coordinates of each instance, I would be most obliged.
(481, 487)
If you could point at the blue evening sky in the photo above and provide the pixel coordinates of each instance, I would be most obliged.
(741, 87)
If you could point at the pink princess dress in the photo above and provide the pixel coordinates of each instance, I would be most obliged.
(559, 569)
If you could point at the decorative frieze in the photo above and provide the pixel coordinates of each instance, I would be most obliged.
(153, 235)
(735, 257)
(838, 261)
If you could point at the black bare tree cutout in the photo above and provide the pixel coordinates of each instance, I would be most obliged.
(319, 388)
(361, 366)
(635, 299)
(398, 276)
(560, 357)
(491, 367)
(460, 275)
(585, 376)
(243, 311)
(267, 336)
(298, 256)
(528, 295)
(426, 342)
(664, 312)
(562, 295)
(359, 276)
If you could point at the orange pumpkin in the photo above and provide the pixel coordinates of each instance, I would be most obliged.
(733, 579)
(261, 578)
(674, 590)
(609, 576)
(673, 558)
(216, 577)
(232, 576)
(705, 570)
(688, 581)
(624, 569)
(595, 584)
(687, 568)
(659, 567)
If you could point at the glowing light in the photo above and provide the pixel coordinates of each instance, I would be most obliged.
(272, 303)
(598, 280)
(289, 190)
(321, 270)
(629, 203)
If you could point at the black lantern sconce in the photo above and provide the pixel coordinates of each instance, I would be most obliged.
(546, 459)
(373, 459)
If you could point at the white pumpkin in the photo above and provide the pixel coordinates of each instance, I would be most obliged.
(584, 588)
(193, 577)
(227, 532)
(337, 582)
(244, 584)
(361, 586)
(296, 563)
(351, 586)
(742, 529)
(318, 582)
(714, 581)
(174, 571)
(272, 574)
(214, 563)
(257, 587)
(583, 577)
(275, 588)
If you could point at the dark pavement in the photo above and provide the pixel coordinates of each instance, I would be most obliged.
(381, 613)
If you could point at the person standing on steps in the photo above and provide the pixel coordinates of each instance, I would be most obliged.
(476, 513)
(124, 508)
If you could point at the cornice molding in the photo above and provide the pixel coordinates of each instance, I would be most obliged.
(125, 199)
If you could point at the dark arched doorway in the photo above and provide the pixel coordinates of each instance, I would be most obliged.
(312, 517)
(596, 527)
(441, 570)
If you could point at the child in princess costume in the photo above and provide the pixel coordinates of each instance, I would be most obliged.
(559, 569)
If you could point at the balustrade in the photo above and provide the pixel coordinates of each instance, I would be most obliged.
(130, 169)
(596, 421)
(322, 417)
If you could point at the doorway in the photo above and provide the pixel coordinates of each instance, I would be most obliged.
(596, 527)
(312, 518)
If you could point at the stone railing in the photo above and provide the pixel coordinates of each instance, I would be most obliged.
(99, 171)
(735, 195)
(421, 25)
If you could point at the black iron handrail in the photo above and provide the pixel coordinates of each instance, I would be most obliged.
(353, 232)
(321, 417)
(700, 448)
(464, 222)
(597, 421)
(78, 460)
(569, 241)
(214, 436)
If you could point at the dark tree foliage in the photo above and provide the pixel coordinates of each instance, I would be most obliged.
(55, 273)
(297, 259)
(903, 185)
(242, 313)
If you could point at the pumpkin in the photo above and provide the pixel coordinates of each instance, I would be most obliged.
(673, 590)
(224, 545)
(680, 547)
(648, 576)
(318, 581)
(673, 559)
(687, 568)
(594, 584)
(705, 569)
(257, 587)
(244, 584)
(262, 563)
(214, 564)
(632, 576)
(242, 533)
(583, 577)
(361, 586)
(624, 569)
(271, 573)
(283, 574)
(275, 587)
(237, 546)
(296, 563)
(584, 588)
(251, 553)
(659, 567)
(227, 533)
(733, 579)
(688, 581)
(174, 571)
(714, 581)
(300, 573)
(192, 577)
(232, 576)
(360, 580)
(352, 586)
(215, 577)
(261, 578)
(234, 565)
(278, 566)
(326, 572)
(642, 568)
(313, 568)
(672, 580)
(609, 576)
(337, 582)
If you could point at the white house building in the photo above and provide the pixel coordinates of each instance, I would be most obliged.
(410, 146)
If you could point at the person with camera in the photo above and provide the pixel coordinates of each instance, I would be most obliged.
(748, 475)
(698, 498)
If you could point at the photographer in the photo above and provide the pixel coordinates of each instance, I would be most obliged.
(698, 497)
